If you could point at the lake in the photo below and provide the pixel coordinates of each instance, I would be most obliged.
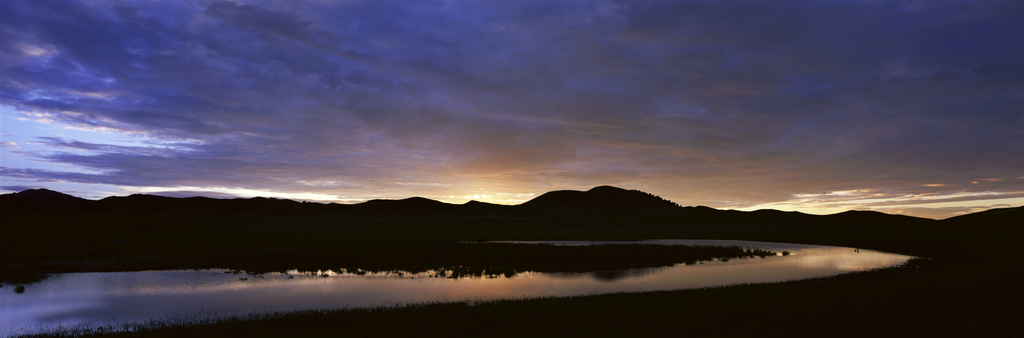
(113, 297)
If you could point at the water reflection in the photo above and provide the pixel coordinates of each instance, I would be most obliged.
(128, 296)
(614, 275)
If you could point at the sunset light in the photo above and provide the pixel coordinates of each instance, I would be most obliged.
(538, 168)
(702, 105)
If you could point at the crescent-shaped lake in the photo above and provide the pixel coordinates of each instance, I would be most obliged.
(115, 297)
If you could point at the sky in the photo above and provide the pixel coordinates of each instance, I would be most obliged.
(909, 107)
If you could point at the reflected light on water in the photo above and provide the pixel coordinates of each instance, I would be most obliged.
(133, 296)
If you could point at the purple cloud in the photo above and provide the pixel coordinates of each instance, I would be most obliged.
(699, 102)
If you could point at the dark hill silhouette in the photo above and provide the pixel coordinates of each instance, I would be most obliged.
(1008, 216)
(772, 216)
(872, 217)
(600, 199)
(477, 207)
(44, 201)
(259, 206)
(137, 201)
(777, 215)
(41, 196)
(702, 215)
(603, 204)
(404, 207)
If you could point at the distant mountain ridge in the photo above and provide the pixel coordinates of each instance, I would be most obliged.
(602, 201)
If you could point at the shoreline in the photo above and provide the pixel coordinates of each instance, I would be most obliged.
(467, 259)
(941, 291)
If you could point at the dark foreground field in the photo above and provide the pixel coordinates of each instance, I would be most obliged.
(966, 283)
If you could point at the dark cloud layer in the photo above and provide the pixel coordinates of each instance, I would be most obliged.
(719, 103)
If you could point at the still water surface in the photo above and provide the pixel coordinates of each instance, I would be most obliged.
(111, 297)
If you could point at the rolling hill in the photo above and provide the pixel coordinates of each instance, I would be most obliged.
(606, 203)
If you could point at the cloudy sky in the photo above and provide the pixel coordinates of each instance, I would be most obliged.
(913, 107)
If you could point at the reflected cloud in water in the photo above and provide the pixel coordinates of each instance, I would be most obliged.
(133, 296)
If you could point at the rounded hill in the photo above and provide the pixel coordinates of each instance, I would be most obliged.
(603, 198)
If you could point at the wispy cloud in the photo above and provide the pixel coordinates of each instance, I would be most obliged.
(700, 102)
